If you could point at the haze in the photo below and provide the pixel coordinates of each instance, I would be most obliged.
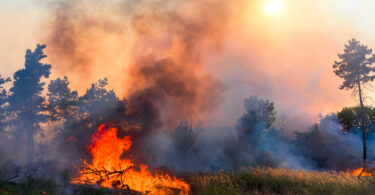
(284, 55)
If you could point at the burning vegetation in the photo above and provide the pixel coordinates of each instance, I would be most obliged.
(109, 170)
(130, 142)
(359, 172)
(154, 137)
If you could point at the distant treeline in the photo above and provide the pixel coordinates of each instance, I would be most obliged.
(58, 126)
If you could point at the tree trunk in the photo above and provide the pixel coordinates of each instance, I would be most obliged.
(30, 146)
(363, 126)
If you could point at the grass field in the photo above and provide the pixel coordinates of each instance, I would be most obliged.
(280, 181)
(249, 181)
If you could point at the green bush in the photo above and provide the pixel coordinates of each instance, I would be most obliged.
(29, 186)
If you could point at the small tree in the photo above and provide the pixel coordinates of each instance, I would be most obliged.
(101, 105)
(258, 113)
(184, 139)
(79, 116)
(349, 118)
(62, 102)
(254, 130)
(355, 67)
(26, 101)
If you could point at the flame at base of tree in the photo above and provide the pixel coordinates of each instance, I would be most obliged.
(109, 170)
(358, 172)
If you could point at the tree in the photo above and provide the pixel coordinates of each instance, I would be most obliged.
(98, 105)
(3, 102)
(332, 146)
(184, 139)
(258, 113)
(101, 105)
(26, 100)
(349, 117)
(62, 102)
(355, 67)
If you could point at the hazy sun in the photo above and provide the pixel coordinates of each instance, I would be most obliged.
(272, 7)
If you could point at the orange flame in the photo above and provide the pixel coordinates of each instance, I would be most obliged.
(357, 172)
(106, 149)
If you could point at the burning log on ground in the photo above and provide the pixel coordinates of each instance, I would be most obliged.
(106, 174)
(106, 150)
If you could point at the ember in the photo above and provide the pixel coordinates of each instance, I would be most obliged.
(109, 170)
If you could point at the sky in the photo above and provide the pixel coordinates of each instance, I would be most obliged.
(282, 50)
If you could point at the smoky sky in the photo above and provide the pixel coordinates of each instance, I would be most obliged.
(198, 61)
(285, 58)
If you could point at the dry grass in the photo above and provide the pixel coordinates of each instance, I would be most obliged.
(280, 181)
(249, 181)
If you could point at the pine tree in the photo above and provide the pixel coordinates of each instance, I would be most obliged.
(26, 101)
(355, 67)
(3, 102)
(62, 101)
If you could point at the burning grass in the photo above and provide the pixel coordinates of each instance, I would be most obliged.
(250, 181)
(281, 181)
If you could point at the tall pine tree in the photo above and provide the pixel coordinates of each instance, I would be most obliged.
(26, 100)
(356, 68)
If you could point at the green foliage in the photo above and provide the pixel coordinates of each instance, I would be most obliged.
(258, 113)
(89, 190)
(216, 190)
(29, 186)
(349, 117)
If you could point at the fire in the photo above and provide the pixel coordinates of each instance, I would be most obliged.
(109, 170)
(357, 172)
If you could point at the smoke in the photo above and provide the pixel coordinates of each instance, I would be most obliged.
(88, 40)
(324, 146)
(188, 61)
(169, 59)
(167, 76)
(157, 54)
(227, 41)
(154, 53)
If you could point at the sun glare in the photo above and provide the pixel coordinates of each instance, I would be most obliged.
(272, 7)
